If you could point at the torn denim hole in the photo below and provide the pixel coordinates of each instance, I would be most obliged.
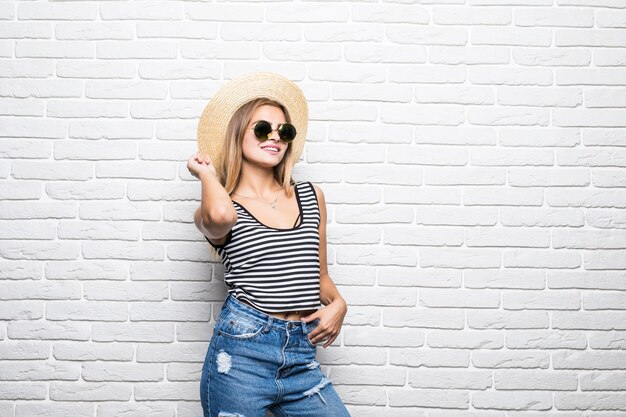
(313, 365)
(224, 414)
(223, 362)
(316, 389)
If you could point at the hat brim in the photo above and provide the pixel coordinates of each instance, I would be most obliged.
(218, 113)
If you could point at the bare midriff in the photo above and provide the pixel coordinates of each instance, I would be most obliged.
(287, 315)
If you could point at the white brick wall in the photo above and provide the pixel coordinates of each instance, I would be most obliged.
(472, 154)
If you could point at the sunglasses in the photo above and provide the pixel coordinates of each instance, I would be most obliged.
(263, 130)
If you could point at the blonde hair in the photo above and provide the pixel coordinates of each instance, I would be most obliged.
(233, 148)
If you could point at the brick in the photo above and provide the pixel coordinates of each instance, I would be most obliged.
(513, 76)
(540, 96)
(467, 339)
(402, 397)
(364, 214)
(182, 372)
(589, 320)
(179, 391)
(575, 57)
(423, 318)
(260, 32)
(379, 336)
(471, 16)
(46, 11)
(601, 280)
(559, 17)
(24, 350)
(413, 34)
(588, 360)
(423, 114)
(49, 330)
(553, 300)
(337, 32)
(510, 359)
(87, 310)
(27, 409)
(164, 353)
(602, 381)
(507, 320)
(39, 371)
(47, 290)
(470, 55)
(371, 52)
(157, 409)
(40, 250)
(368, 375)
(22, 391)
(121, 372)
(431, 358)
(410, 277)
(505, 279)
(379, 296)
(192, 332)
(90, 391)
(484, 35)
(449, 379)
(86, 270)
(87, 351)
(518, 400)
(178, 311)
(142, 251)
(302, 12)
(21, 310)
(133, 332)
(376, 255)
(590, 401)
(93, 150)
(545, 339)
(125, 291)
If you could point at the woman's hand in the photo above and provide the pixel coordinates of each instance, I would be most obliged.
(197, 164)
(331, 319)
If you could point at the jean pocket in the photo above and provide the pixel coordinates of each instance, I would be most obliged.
(310, 326)
(239, 327)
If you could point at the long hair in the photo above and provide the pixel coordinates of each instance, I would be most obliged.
(233, 148)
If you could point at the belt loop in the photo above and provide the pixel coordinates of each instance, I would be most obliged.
(268, 324)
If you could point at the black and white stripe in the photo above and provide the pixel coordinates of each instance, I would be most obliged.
(275, 270)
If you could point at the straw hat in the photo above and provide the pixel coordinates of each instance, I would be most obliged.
(237, 92)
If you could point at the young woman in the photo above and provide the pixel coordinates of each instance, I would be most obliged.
(270, 232)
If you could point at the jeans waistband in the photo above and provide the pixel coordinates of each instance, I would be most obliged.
(293, 326)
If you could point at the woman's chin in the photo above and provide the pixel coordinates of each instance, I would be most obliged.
(268, 162)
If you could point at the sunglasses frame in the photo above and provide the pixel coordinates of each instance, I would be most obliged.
(261, 136)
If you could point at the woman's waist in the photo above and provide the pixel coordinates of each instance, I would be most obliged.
(287, 315)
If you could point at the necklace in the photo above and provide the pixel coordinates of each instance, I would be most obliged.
(273, 203)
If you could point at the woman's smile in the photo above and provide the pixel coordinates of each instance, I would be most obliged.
(273, 149)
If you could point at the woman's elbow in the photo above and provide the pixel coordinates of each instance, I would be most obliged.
(221, 215)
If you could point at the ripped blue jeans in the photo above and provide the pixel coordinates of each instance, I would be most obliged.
(257, 362)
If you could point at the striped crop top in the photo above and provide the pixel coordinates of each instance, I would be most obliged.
(275, 270)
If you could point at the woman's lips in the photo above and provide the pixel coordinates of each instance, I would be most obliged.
(271, 149)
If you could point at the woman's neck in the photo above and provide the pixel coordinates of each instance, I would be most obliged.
(256, 181)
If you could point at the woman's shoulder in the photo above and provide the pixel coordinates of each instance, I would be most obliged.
(317, 191)
(305, 183)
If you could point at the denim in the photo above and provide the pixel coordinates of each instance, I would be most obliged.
(257, 362)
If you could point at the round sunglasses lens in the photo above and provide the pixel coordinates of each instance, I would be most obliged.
(262, 130)
(287, 132)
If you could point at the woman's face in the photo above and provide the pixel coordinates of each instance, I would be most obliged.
(270, 152)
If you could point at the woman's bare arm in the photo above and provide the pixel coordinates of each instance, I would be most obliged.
(328, 290)
(216, 214)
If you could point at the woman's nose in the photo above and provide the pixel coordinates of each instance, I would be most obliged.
(274, 135)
